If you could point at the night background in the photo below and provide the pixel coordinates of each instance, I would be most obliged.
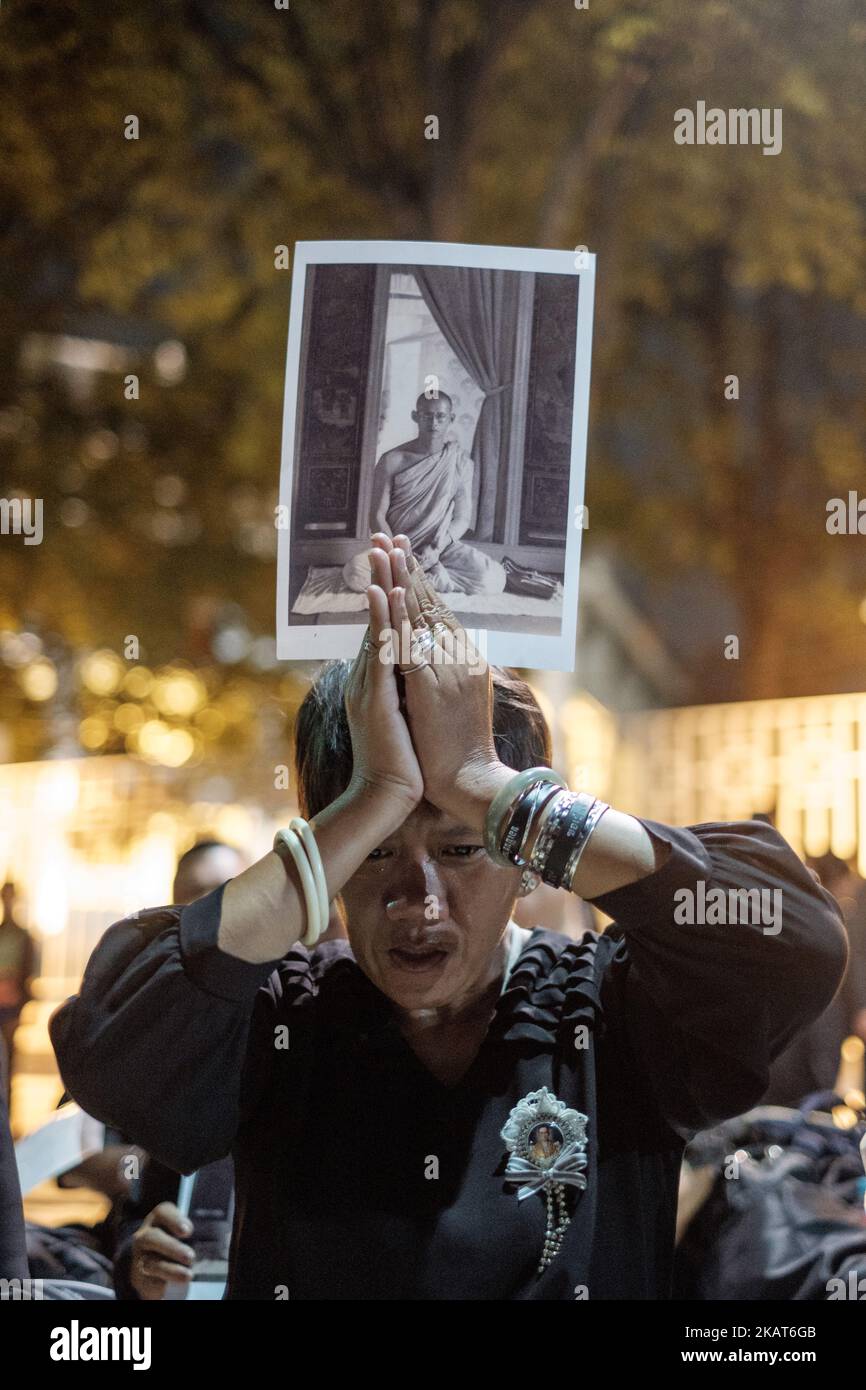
(258, 127)
(158, 163)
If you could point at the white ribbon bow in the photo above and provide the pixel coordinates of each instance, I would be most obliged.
(566, 1168)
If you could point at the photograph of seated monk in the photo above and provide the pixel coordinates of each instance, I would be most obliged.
(444, 403)
(406, 1144)
(423, 489)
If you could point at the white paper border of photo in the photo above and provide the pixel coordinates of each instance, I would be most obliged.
(321, 643)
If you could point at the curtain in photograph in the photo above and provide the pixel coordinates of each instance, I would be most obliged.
(476, 312)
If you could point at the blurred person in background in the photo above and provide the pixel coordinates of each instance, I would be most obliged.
(150, 1250)
(17, 968)
(204, 867)
(13, 1248)
(811, 1062)
(849, 890)
(103, 1253)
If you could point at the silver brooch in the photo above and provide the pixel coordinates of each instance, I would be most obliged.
(547, 1144)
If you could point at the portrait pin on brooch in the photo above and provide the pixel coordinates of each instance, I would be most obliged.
(547, 1144)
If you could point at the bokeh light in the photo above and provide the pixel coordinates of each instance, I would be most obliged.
(179, 694)
(138, 682)
(38, 680)
(158, 743)
(102, 672)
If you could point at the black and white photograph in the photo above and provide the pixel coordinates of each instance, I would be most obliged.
(441, 392)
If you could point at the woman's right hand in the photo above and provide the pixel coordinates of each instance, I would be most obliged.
(263, 913)
(382, 753)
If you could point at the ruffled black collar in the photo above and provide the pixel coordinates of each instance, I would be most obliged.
(553, 987)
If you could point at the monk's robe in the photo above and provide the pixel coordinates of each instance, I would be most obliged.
(422, 505)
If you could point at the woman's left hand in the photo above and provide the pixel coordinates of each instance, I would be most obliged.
(449, 701)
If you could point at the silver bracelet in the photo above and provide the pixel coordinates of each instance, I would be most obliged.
(529, 809)
(583, 839)
(539, 817)
(544, 844)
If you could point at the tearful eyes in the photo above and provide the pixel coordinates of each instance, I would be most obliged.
(447, 852)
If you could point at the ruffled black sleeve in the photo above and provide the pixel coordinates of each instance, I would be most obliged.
(712, 985)
(169, 1039)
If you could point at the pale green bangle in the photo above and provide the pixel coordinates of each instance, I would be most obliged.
(305, 830)
(289, 840)
(504, 799)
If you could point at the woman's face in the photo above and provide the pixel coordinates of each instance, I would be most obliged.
(426, 911)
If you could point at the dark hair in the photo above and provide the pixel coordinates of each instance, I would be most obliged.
(323, 748)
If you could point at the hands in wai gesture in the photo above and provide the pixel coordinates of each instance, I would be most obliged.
(420, 697)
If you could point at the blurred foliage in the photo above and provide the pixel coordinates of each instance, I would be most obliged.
(259, 127)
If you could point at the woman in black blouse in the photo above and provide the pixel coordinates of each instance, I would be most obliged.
(447, 1106)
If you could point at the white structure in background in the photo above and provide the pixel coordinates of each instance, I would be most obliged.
(802, 760)
(621, 666)
(86, 841)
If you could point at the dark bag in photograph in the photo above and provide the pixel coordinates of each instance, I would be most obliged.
(530, 583)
